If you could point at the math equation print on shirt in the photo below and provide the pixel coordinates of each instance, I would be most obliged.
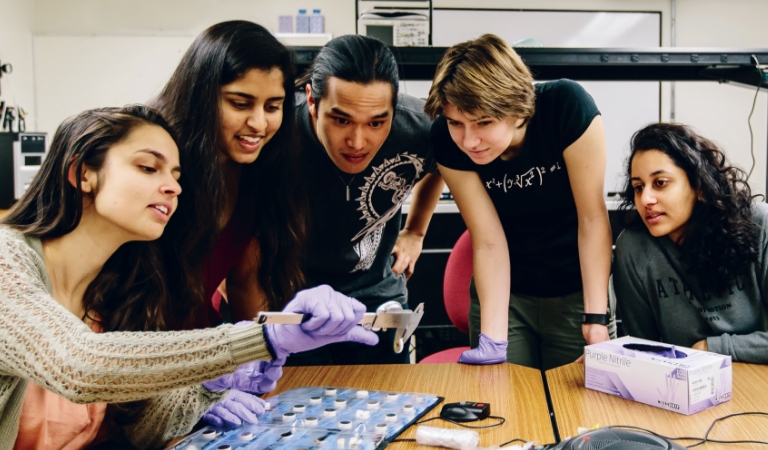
(533, 177)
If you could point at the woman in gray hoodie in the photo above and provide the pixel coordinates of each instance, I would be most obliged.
(695, 274)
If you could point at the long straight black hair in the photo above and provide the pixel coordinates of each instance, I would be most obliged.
(270, 192)
(129, 292)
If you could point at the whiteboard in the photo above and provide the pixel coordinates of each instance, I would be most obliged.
(625, 106)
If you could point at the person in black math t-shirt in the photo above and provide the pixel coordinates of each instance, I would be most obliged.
(363, 147)
(525, 164)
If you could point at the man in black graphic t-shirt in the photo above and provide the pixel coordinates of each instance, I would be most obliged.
(363, 149)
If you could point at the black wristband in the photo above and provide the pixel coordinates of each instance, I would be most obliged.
(599, 319)
(268, 342)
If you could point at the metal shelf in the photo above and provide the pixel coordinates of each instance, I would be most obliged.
(618, 64)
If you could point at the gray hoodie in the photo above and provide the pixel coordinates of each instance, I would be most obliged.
(659, 300)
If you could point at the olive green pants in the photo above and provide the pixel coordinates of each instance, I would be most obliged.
(544, 332)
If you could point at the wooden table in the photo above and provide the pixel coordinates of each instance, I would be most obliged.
(514, 392)
(576, 406)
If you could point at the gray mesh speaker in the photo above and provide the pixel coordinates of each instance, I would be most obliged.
(616, 439)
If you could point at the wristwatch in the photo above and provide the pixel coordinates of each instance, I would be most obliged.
(600, 319)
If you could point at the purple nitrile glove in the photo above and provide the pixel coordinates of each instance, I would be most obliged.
(257, 377)
(334, 319)
(332, 312)
(487, 351)
(236, 408)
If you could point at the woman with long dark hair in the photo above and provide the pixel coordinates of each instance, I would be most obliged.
(691, 269)
(231, 103)
(82, 295)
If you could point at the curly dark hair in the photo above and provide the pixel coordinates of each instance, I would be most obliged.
(721, 238)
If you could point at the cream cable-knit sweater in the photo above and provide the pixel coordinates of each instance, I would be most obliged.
(43, 342)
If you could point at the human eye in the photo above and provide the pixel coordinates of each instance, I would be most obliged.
(638, 188)
(147, 169)
(484, 123)
(453, 123)
(661, 182)
(237, 104)
(274, 107)
(341, 120)
(377, 124)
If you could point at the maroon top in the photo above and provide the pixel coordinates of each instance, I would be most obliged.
(225, 254)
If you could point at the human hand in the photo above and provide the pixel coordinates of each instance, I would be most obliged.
(236, 408)
(257, 377)
(701, 345)
(595, 333)
(488, 351)
(407, 250)
(333, 313)
(334, 319)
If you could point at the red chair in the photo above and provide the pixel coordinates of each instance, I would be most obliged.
(458, 273)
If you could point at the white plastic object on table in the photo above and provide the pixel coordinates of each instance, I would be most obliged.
(448, 438)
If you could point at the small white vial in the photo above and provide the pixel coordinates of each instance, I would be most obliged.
(329, 412)
(381, 428)
(286, 435)
(391, 397)
(340, 403)
(345, 425)
(289, 416)
(245, 436)
(224, 447)
(210, 435)
(391, 417)
(373, 405)
(419, 399)
(409, 409)
(362, 414)
(267, 406)
(299, 408)
(311, 421)
(330, 392)
(362, 394)
(315, 400)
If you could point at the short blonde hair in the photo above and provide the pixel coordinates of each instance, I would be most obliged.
(484, 75)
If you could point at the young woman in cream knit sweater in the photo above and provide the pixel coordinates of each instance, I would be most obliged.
(75, 257)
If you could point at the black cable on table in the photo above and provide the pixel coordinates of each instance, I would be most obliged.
(513, 441)
(714, 422)
(500, 422)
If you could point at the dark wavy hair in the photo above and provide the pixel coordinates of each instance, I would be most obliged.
(270, 192)
(721, 237)
(129, 292)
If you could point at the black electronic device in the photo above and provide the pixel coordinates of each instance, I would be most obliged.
(615, 439)
(465, 411)
(21, 155)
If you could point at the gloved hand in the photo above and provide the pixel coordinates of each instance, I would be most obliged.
(257, 377)
(334, 319)
(487, 351)
(236, 408)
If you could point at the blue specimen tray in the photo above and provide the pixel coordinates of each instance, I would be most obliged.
(327, 418)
